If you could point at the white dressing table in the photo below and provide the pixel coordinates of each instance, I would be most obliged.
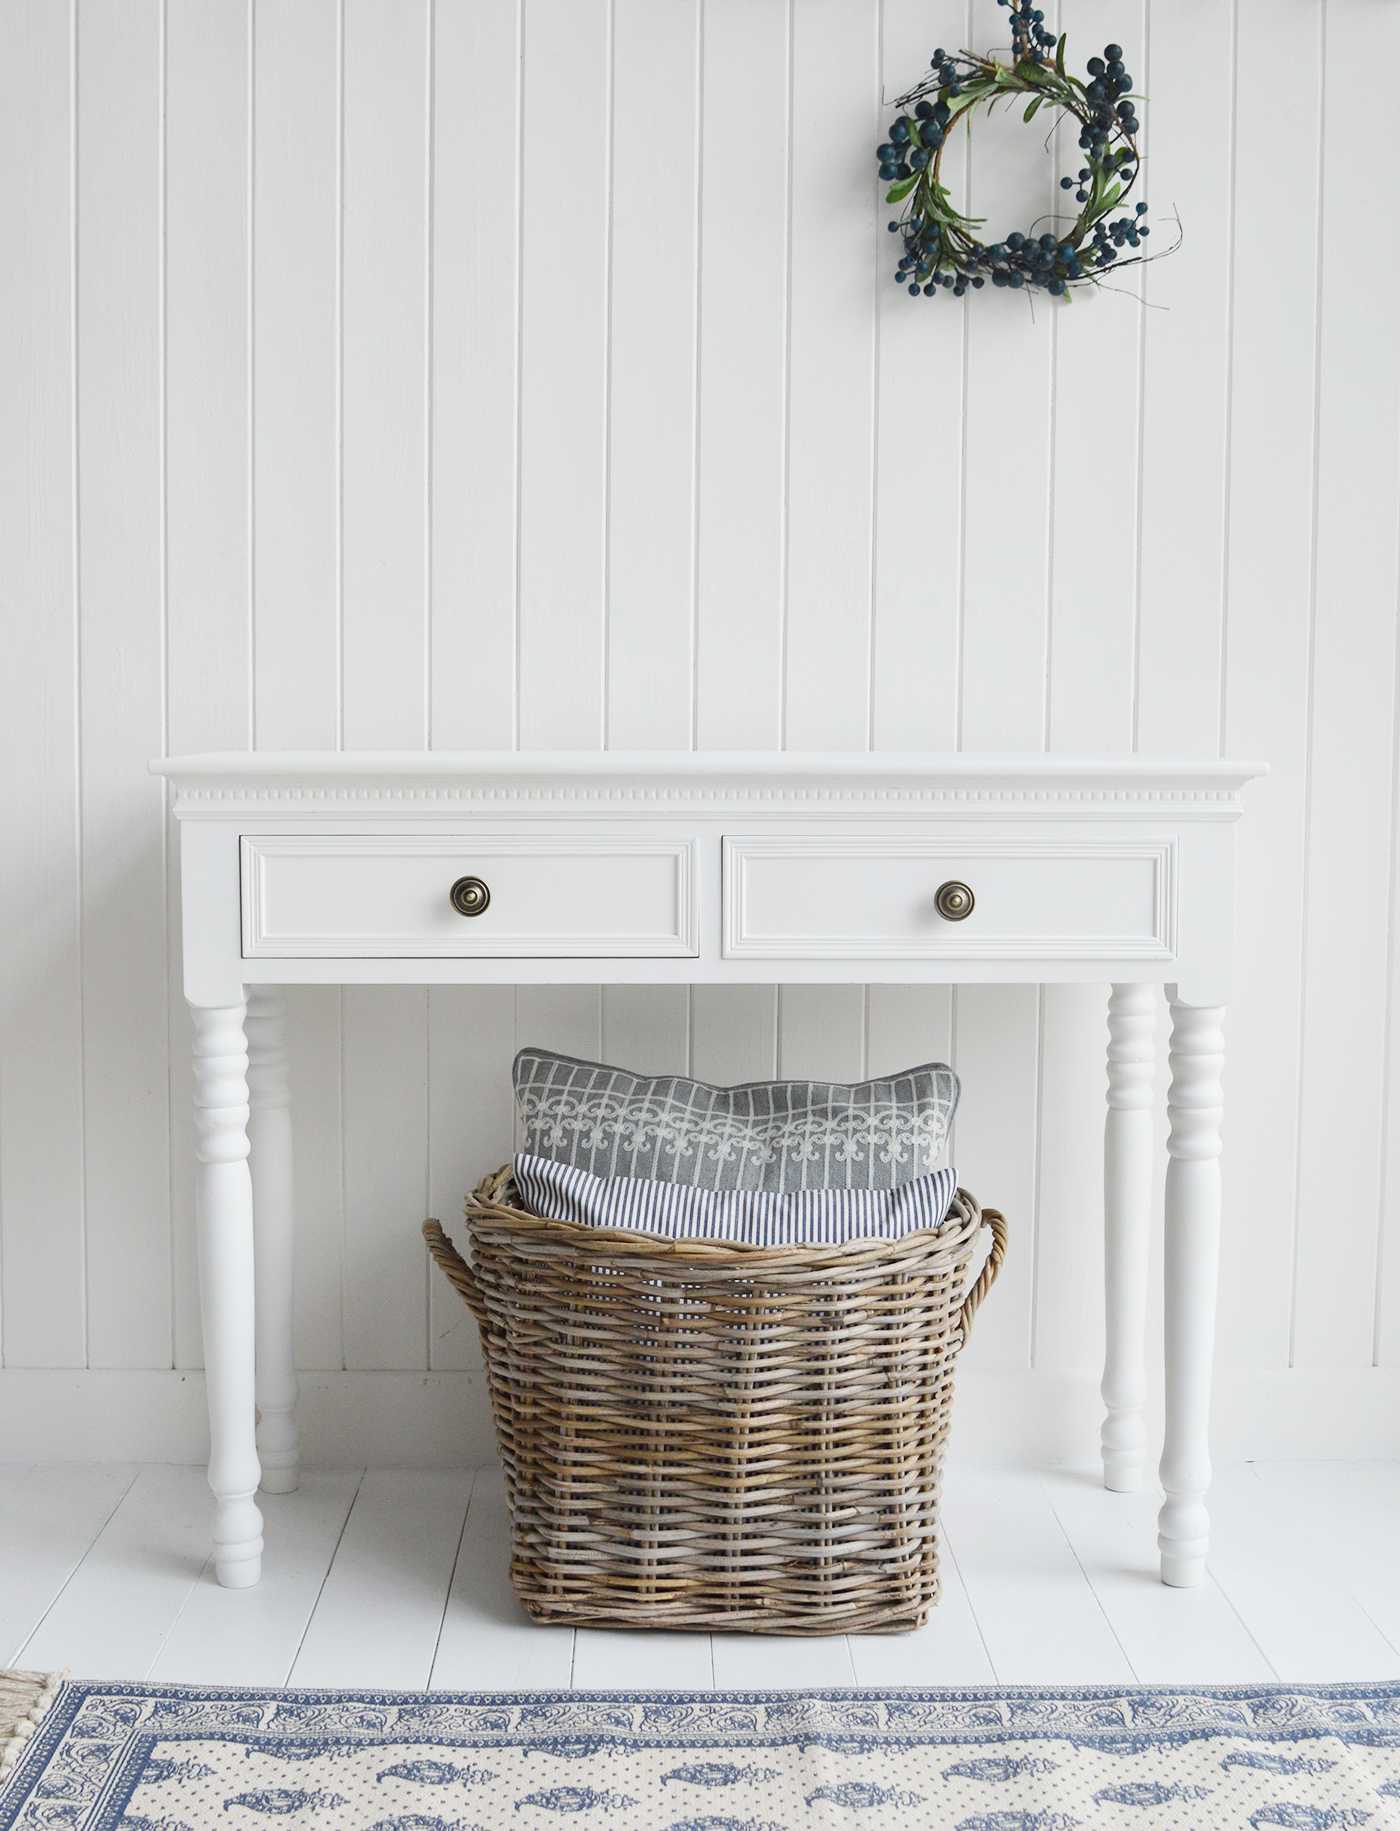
(433, 868)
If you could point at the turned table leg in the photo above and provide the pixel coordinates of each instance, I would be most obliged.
(1192, 1268)
(270, 1134)
(224, 1213)
(1127, 1210)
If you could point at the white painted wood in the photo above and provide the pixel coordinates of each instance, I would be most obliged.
(381, 1610)
(1267, 668)
(1128, 1155)
(1192, 1256)
(567, 50)
(387, 895)
(224, 1214)
(1068, 1318)
(870, 897)
(652, 371)
(270, 1165)
(112, 1617)
(647, 1028)
(42, 1244)
(1093, 534)
(821, 1033)
(1351, 765)
(831, 368)
(49, 1518)
(126, 644)
(380, 1613)
(478, 87)
(1189, 72)
(384, 397)
(1169, 1636)
(318, 1195)
(907, 1025)
(733, 1033)
(741, 466)
(488, 1642)
(779, 1662)
(948, 1650)
(1346, 1512)
(296, 170)
(1005, 566)
(224, 1637)
(646, 1660)
(471, 1131)
(920, 382)
(1291, 1589)
(386, 1194)
(1037, 1615)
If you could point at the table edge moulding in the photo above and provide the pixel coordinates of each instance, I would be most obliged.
(357, 868)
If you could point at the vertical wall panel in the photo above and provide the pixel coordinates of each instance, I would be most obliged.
(315, 1048)
(384, 406)
(919, 443)
(207, 462)
(1270, 580)
(296, 381)
(617, 308)
(651, 423)
(743, 398)
(997, 1046)
(835, 64)
(41, 1049)
(476, 321)
(471, 1040)
(386, 1180)
(1350, 818)
(1007, 441)
(125, 1094)
(1189, 78)
(734, 1033)
(564, 376)
(1094, 520)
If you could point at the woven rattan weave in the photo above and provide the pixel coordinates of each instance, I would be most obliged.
(703, 1435)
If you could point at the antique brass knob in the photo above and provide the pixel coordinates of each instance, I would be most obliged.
(954, 901)
(469, 896)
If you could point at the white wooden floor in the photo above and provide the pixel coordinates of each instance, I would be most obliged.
(384, 1578)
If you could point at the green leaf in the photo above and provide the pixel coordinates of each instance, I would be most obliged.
(902, 189)
(1031, 108)
(1060, 53)
(1111, 196)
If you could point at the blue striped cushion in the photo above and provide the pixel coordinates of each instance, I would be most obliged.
(752, 1217)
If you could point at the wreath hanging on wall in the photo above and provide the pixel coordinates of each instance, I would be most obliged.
(942, 249)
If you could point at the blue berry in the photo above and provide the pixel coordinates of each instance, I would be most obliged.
(914, 290)
(1141, 209)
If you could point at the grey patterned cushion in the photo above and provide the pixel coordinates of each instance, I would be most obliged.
(774, 1135)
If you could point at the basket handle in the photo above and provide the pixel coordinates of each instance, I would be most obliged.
(459, 1274)
(996, 1220)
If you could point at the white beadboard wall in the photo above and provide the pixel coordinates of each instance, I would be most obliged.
(470, 373)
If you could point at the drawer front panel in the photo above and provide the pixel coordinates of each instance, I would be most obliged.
(384, 896)
(859, 897)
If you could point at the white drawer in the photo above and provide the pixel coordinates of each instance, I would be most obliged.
(852, 896)
(388, 896)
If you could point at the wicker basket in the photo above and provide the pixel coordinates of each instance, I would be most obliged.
(703, 1435)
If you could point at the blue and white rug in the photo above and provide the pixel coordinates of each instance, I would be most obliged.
(157, 1758)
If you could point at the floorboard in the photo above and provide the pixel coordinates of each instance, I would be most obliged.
(114, 1613)
(49, 1518)
(380, 1613)
(1038, 1617)
(488, 1643)
(1350, 1512)
(1288, 1589)
(949, 1650)
(252, 1637)
(393, 1579)
(1169, 1636)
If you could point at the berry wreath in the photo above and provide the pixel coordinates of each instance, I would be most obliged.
(941, 247)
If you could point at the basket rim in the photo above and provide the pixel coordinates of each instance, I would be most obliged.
(496, 1199)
